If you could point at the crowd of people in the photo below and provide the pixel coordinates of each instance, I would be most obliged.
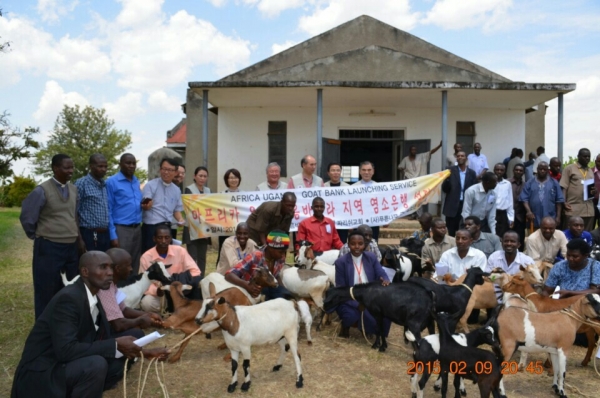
(109, 230)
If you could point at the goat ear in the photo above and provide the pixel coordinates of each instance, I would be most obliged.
(166, 287)
(167, 266)
(221, 300)
(522, 268)
(186, 287)
(212, 291)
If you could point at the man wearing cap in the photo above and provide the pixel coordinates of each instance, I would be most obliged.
(271, 257)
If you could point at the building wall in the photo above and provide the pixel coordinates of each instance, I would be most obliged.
(242, 134)
(535, 128)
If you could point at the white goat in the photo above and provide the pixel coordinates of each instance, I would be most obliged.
(316, 264)
(138, 284)
(328, 257)
(275, 321)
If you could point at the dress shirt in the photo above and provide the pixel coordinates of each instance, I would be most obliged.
(519, 209)
(166, 199)
(504, 198)
(538, 248)
(361, 182)
(307, 183)
(459, 266)
(481, 204)
(322, 234)
(571, 181)
(487, 243)
(478, 163)
(359, 271)
(433, 251)
(232, 253)
(176, 255)
(417, 167)
(124, 202)
(108, 298)
(498, 260)
(373, 248)
(245, 268)
(463, 175)
(93, 302)
(92, 206)
(264, 186)
(585, 235)
(542, 198)
(34, 202)
(556, 176)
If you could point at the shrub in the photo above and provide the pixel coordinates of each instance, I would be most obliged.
(16, 192)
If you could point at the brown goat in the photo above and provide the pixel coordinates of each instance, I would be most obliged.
(484, 296)
(552, 332)
(183, 318)
(548, 304)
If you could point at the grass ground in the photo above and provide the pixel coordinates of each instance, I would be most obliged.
(331, 366)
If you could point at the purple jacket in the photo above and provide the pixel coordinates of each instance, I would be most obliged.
(344, 269)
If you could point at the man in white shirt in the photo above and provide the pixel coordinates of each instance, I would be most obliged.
(541, 157)
(308, 178)
(366, 171)
(505, 213)
(462, 257)
(273, 179)
(478, 161)
(415, 164)
(547, 243)
(480, 201)
(509, 259)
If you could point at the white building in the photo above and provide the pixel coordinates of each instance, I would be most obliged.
(361, 91)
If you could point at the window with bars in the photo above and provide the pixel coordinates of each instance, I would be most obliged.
(277, 134)
(465, 134)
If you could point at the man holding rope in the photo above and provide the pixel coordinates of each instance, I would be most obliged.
(69, 351)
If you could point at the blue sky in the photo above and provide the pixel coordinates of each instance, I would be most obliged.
(135, 57)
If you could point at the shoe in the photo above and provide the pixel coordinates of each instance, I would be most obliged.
(345, 332)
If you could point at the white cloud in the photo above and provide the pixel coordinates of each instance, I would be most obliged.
(139, 12)
(461, 14)
(35, 50)
(125, 108)
(163, 54)
(277, 48)
(52, 101)
(272, 8)
(52, 10)
(162, 101)
(330, 13)
(217, 3)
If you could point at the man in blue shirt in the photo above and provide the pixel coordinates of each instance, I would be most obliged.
(575, 230)
(92, 205)
(542, 197)
(124, 199)
(161, 202)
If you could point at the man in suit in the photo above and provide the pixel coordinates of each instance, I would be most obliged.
(69, 351)
(353, 268)
(461, 178)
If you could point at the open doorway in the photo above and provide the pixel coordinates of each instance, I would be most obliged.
(376, 146)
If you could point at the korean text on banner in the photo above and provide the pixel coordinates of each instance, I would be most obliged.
(349, 207)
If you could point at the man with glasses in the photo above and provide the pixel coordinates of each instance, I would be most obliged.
(161, 200)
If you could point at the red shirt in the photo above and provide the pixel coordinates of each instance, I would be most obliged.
(555, 176)
(322, 234)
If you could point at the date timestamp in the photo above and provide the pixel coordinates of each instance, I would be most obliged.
(460, 367)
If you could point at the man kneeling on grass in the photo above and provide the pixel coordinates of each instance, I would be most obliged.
(270, 256)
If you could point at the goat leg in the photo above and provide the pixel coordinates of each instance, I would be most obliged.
(591, 338)
(177, 355)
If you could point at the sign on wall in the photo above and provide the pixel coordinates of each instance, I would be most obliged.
(350, 206)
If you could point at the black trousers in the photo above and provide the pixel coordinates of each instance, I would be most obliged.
(88, 377)
(49, 258)
(101, 242)
(502, 223)
(453, 223)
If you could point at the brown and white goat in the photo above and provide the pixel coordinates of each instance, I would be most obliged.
(274, 321)
(552, 332)
(484, 296)
(548, 304)
(183, 318)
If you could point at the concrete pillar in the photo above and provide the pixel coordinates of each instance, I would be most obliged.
(444, 127)
(560, 126)
(205, 128)
(319, 129)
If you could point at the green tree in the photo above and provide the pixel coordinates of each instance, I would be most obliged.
(15, 144)
(18, 190)
(80, 133)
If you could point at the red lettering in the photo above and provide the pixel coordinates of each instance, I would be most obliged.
(208, 217)
(330, 209)
(375, 205)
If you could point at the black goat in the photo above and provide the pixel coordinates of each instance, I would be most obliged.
(414, 247)
(428, 349)
(453, 299)
(392, 258)
(472, 363)
(404, 304)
